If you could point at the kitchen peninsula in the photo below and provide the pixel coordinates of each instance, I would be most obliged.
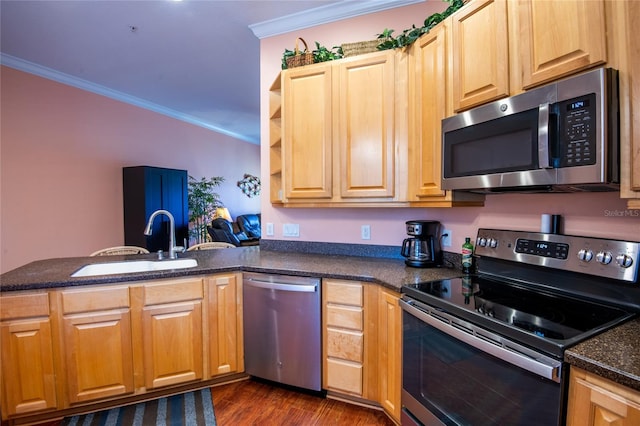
(98, 341)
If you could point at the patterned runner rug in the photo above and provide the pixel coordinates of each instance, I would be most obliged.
(187, 409)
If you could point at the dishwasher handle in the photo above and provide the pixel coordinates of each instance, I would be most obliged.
(300, 288)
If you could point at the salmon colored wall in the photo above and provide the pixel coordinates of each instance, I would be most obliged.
(62, 153)
(603, 214)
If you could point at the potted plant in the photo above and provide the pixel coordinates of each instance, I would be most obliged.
(203, 202)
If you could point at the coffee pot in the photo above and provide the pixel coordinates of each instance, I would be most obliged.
(423, 249)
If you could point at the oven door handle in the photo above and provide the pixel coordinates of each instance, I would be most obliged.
(548, 368)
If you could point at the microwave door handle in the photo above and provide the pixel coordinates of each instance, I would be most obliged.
(543, 136)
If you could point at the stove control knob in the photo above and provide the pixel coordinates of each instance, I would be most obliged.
(585, 255)
(604, 257)
(482, 242)
(493, 243)
(624, 260)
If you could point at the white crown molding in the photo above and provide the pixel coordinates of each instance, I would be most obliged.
(324, 15)
(60, 77)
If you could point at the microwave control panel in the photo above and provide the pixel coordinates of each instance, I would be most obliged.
(578, 131)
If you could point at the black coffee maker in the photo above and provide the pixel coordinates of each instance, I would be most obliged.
(423, 250)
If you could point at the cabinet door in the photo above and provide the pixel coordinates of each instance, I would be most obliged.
(366, 93)
(597, 401)
(390, 344)
(428, 110)
(172, 332)
(27, 356)
(553, 46)
(480, 53)
(97, 344)
(98, 355)
(225, 324)
(307, 134)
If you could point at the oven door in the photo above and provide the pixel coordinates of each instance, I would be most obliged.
(457, 374)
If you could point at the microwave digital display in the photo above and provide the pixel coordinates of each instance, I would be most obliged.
(582, 103)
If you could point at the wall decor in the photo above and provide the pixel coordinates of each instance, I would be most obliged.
(250, 185)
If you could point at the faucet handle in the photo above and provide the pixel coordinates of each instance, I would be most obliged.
(160, 255)
(179, 249)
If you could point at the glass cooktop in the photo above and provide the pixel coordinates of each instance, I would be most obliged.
(541, 320)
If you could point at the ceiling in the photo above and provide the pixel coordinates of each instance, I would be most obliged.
(195, 60)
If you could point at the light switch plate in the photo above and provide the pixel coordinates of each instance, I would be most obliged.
(269, 230)
(290, 230)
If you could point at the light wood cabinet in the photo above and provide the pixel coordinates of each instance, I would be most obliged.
(225, 324)
(307, 119)
(550, 46)
(349, 335)
(96, 346)
(340, 141)
(623, 19)
(78, 347)
(275, 141)
(28, 378)
(480, 48)
(594, 400)
(390, 351)
(362, 335)
(430, 68)
(172, 332)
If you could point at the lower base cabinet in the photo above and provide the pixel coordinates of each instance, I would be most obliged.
(362, 346)
(73, 347)
(172, 332)
(28, 378)
(594, 400)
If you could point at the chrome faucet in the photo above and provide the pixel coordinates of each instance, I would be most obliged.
(173, 249)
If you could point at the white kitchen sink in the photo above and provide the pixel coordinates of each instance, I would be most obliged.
(133, 266)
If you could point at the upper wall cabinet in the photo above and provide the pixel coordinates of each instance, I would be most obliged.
(307, 132)
(339, 137)
(559, 38)
(430, 102)
(480, 51)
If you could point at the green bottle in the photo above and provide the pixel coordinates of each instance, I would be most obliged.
(467, 256)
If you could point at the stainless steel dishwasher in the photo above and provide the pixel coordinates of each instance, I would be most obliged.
(282, 334)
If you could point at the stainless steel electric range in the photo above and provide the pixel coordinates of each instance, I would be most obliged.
(487, 349)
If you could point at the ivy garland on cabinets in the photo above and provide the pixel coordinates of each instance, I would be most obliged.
(386, 38)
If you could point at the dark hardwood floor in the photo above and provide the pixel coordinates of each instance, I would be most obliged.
(254, 402)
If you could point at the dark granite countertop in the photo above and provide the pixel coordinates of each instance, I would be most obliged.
(391, 273)
(614, 354)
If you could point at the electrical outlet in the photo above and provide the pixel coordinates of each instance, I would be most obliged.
(365, 232)
(290, 230)
(269, 231)
(446, 238)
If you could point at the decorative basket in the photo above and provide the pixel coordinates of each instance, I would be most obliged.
(300, 58)
(360, 47)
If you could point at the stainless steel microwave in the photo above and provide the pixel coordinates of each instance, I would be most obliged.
(561, 137)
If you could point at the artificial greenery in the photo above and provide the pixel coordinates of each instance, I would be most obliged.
(203, 202)
(387, 40)
(410, 35)
(320, 54)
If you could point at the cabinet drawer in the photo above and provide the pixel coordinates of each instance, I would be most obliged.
(345, 317)
(95, 299)
(346, 345)
(24, 306)
(343, 292)
(173, 291)
(345, 376)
